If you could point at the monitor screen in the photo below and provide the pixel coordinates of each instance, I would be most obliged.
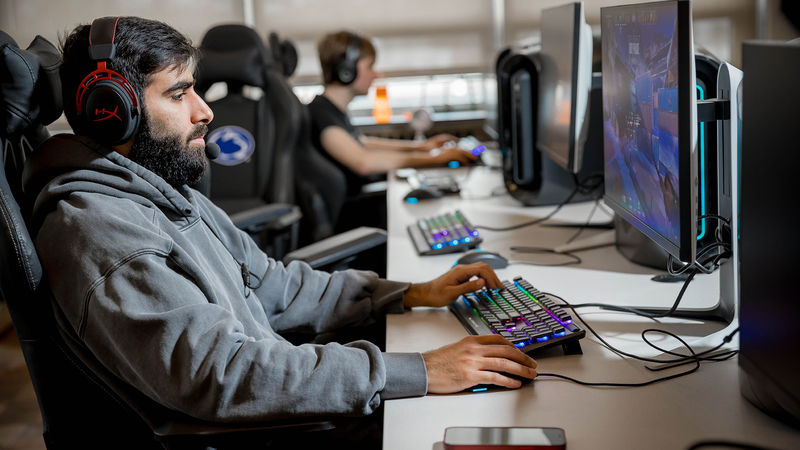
(649, 121)
(565, 83)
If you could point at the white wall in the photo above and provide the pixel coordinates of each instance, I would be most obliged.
(54, 19)
(412, 36)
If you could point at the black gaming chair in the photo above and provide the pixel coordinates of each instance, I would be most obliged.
(82, 404)
(320, 187)
(295, 174)
(252, 182)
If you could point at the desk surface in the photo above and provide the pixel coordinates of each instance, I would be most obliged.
(705, 405)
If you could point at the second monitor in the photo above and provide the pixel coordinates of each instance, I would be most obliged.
(564, 85)
(549, 112)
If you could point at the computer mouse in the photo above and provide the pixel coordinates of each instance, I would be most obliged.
(418, 194)
(484, 387)
(494, 260)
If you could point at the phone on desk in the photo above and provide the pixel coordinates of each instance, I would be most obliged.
(504, 438)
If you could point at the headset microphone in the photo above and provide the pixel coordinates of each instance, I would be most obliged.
(212, 150)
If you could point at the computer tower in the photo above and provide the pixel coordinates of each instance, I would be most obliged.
(530, 177)
(770, 242)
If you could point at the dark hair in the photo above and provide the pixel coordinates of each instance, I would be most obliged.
(332, 48)
(144, 47)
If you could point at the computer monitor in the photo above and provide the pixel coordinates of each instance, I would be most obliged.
(565, 84)
(650, 121)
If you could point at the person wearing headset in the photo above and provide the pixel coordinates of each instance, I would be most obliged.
(159, 286)
(347, 61)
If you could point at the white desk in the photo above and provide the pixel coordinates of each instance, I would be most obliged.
(673, 414)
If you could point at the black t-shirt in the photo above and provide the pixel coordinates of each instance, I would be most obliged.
(325, 114)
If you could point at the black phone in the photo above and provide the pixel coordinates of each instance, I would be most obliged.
(504, 438)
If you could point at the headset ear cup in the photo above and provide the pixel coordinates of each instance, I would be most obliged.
(346, 73)
(109, 116)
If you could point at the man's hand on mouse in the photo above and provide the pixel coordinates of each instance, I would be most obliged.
(446, 155)
(448, 287)
(476, 360)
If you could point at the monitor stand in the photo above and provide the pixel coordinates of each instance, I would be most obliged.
(639, 249)
(649, 254)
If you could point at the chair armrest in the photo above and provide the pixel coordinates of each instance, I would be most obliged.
(271, 216)
(338, 247)
(191, 433)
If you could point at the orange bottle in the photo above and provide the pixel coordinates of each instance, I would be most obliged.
(381, 110)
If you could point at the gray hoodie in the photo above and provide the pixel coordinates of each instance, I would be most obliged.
(149, 278)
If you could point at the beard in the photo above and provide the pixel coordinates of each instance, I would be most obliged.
(168, 154)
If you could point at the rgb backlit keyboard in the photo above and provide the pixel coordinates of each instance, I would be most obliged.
(445, 233)
(521, 314)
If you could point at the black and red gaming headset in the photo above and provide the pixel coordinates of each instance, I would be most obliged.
(106, 104)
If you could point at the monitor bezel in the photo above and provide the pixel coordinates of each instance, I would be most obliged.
(685, 249)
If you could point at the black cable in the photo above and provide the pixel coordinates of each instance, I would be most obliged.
(541, 250)
(715, 216)
(532, 222)
(246, 274)
(705, 266)
(588, 221)
(694, 357)
(645, 313)
(587, 186)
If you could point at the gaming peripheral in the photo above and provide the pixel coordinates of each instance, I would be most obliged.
(494, 260)
(445, 233)
(484, 387)
(468, 144)
(415, 195)
(444, 183)
(520, 313)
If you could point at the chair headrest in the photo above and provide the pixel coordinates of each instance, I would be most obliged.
(284, 54)
(30, 87)
(233, 54)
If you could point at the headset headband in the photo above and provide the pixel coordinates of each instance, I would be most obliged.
(101, 38)
(353, 47)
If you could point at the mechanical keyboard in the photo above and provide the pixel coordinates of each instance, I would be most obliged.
(445, 233)
(521, 314)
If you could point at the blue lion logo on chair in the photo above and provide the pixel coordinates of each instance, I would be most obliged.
(235, 143)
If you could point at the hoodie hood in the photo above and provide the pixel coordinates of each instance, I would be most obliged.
(67, 164)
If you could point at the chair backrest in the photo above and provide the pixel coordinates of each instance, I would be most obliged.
(320, 187)
(284, 54)
(244, 127)
(77, 411)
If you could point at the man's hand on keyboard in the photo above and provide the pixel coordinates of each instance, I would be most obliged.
(476, 360)
(448, 287)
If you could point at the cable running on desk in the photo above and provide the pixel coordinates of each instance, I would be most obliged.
(584, 187)
(575, 259)
(694, 357)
